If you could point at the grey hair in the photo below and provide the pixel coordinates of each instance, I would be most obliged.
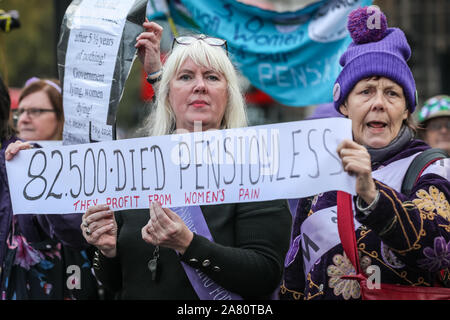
(162, 119)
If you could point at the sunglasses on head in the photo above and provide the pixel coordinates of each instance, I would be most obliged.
(212, 41)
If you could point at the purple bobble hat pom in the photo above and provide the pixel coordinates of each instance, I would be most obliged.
(367, 24)
(376, 51)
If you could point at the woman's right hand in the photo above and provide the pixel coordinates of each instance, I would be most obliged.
(148, 45)
(100, 229)
(356, 160)
(14, 148)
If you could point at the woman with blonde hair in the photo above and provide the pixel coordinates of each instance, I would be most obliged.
(163, 121)
(233, 251)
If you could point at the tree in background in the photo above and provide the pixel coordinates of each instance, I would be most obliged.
(30, 50)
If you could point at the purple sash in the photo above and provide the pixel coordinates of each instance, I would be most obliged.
(205, 288)
(293, 204)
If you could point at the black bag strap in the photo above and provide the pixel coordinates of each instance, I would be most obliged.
(419, 163)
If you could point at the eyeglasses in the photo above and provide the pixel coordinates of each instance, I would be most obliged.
(437, 126)
(188, 40)
(31, 112)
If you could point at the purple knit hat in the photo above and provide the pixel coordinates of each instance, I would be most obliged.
(325, 110)
(375, 51)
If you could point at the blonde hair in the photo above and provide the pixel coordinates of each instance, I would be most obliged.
(162, 119)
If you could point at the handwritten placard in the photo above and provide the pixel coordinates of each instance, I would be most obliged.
(93, 44)
(280, 161)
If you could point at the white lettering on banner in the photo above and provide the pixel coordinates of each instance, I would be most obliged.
(280, 161)
(299, 77)
(330, 23)
(92, 48)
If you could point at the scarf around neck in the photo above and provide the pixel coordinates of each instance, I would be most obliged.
(379, 155)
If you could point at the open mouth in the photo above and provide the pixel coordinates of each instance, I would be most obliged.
(376, 124)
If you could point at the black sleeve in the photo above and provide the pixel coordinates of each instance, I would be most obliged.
(108, 270)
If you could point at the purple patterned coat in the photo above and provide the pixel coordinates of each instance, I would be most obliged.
(64, 228)
(408, 238)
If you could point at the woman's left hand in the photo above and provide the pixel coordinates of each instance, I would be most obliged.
(165, 228)
(356, 161)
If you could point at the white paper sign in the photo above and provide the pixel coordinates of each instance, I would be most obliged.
(280, 161)
(93, 44)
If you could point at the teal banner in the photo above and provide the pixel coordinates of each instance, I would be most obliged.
(292, 56)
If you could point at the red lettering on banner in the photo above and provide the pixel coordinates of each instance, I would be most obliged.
(202, 197)
(123, 202)
(248, 194)
(163, 199)
(83, 205)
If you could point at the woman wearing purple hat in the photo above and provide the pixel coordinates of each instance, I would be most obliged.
(406, 237)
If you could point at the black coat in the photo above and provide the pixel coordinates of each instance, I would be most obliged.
(247, 257)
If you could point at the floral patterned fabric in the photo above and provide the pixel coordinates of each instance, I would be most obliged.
(36, 250)
(432, 202)
(437, 257)
(37, 271)
(406, 237)
(30, 273)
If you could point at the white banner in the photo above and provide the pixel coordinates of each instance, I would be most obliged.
(96, 31)
(280, 161)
